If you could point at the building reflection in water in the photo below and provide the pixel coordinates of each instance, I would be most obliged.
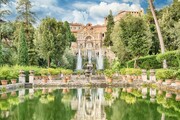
(89, 104)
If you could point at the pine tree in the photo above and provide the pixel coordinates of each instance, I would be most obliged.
(22, 48)
(110, 26)
(3, 12)
(26, 16)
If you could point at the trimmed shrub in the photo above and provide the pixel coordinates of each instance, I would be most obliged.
(165, 74)
(172, 58)
(130, 71)
(147, 62)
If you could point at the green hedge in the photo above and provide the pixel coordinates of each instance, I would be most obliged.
(12, 72)
(172, 58)
(147, 62)
(155, 61)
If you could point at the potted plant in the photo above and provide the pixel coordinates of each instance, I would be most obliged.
(130, 73)
(109, 74)
(123, 73)
(68, 74)
(138, 73)
(4, 74)
(64, 72)
(50, 73)
(165, 74)
(99, 72)
(79, 72)
(44, 73)
(177, 81)
(13, 76)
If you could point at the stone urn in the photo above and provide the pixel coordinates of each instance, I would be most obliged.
(4, 82)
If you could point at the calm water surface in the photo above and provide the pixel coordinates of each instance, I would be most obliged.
(89, 104)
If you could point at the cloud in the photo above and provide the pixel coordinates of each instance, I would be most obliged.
(81, 12)
(99, 11)
(82, 5)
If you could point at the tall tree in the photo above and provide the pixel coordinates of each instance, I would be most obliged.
(118, 46)
(110, 26)
(158, 31)
(50, 40)
(22, 48)
(24, 11)
(135, 35)
(168, 22)
(4, 12)
(26, 16)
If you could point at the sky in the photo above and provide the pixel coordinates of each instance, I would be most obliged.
(82, 11)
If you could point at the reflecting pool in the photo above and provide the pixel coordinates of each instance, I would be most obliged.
(90, 104)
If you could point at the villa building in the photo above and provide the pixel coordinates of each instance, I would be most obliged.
(91, 37)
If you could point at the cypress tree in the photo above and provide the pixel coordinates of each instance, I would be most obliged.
(22, 48)
(69, 36)
(110, 26)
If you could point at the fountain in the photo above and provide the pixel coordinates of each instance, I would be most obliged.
(89, 56)
(79, 61)
(88, 71)
(100, 60)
